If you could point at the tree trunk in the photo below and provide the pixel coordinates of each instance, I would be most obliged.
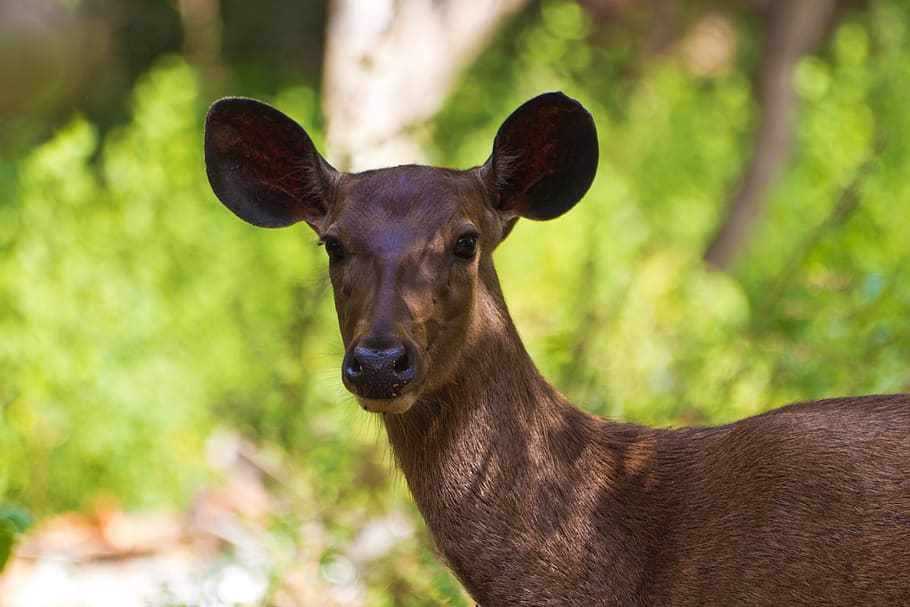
(795, 28)
(201, 23)
(389, 66)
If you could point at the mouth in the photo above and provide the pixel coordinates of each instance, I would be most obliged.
(396, 405)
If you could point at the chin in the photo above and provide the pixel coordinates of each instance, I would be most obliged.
(396, 405)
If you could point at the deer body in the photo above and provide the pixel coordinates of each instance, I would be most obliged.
(530, 500)
(533, 502)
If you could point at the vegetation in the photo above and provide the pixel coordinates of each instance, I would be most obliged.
(12, 523)
(138, 316)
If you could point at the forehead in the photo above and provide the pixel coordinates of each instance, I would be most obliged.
(408, 198)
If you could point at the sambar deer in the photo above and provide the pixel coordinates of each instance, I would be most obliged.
(529, 500)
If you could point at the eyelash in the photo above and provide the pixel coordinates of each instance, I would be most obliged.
(333, 248)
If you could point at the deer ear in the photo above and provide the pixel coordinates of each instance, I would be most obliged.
(263, 166)
(544, 158)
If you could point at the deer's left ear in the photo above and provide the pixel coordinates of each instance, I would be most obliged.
(544, 158)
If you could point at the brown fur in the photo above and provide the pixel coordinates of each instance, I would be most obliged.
(531, 501)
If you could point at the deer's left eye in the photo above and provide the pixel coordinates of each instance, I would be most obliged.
(466, 245)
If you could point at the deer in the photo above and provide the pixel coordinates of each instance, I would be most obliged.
(528, 499)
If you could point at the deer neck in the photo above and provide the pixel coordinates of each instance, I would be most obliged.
(500, 464)
(496, 407)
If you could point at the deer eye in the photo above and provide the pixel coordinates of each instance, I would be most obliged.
(466, 245)
(333, 248)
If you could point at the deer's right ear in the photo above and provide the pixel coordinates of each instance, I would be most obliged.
(544, 158)
(263, 166)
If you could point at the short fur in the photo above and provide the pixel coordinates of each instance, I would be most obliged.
(531, 501)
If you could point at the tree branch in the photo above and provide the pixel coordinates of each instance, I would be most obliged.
(795, 28)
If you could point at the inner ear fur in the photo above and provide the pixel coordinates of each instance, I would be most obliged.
(263, 166)
(544, 158)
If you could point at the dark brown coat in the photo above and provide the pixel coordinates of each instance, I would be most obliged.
(530, 500)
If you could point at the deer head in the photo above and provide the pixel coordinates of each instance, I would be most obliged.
(409, 247)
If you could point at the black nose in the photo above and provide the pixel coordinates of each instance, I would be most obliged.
(379, 372)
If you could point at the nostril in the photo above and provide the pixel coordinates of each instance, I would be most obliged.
(353, 368)
(402, 363)
(404, 367)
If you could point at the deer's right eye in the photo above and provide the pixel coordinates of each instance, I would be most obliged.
(333, 249)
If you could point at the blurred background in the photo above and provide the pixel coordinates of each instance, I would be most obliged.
(173, 429)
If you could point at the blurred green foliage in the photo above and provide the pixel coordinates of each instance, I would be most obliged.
(137, 315)
(13, 522)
